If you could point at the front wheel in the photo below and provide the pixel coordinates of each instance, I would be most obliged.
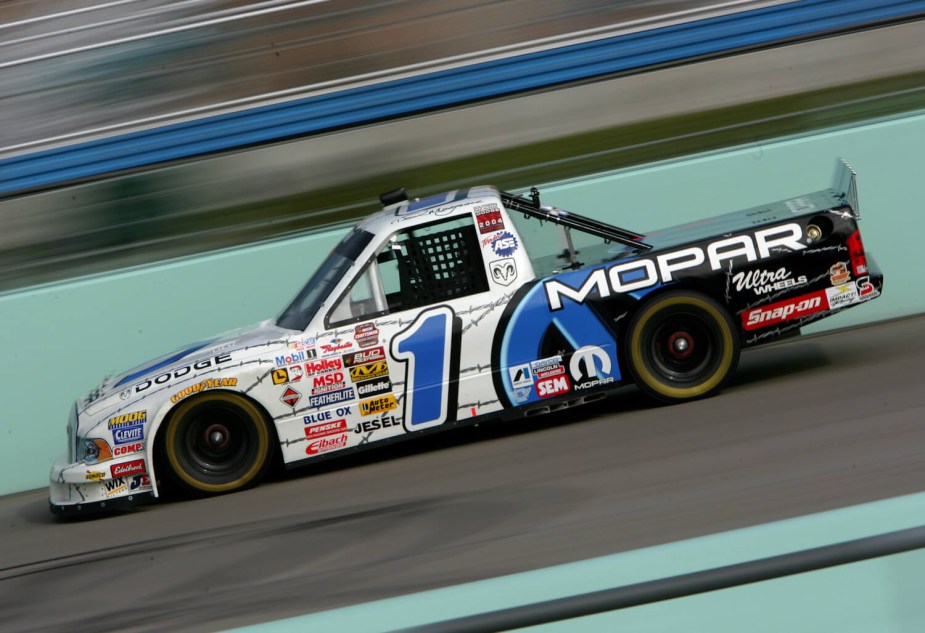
(217, 442)
(682, 345)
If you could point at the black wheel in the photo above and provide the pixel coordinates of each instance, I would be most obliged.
(217, 442)
(682, 345)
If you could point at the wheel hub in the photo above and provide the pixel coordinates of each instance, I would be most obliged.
(680, 345)
(217, 436)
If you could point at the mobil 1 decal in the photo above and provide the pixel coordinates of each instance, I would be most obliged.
(429, 349)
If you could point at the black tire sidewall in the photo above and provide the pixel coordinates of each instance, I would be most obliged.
(176, 454)
(710, 314)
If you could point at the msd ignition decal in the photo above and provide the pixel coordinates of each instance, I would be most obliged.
(429, 349)
(650, 271)
(786, 310)
(503, 271)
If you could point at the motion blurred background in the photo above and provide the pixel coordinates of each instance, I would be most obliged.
(82, 70)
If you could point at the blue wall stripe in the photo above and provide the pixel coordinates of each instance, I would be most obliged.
(390, 99)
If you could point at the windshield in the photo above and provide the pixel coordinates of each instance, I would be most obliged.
(310, 299)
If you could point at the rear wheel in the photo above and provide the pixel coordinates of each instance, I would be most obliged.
(217, 442)
(682, 345)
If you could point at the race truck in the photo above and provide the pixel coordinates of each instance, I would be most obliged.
(469, 306)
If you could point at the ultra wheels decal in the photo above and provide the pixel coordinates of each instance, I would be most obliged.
(682, 345)
(216, 443)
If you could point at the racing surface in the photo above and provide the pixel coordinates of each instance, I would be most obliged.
(807, 425)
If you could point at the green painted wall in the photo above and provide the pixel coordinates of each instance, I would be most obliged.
(877, 595)
(60, 339)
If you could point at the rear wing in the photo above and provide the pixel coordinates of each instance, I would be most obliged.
(846, 186)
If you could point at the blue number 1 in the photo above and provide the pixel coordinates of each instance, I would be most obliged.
(425, 346)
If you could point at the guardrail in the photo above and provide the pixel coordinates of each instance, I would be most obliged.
(634, 52)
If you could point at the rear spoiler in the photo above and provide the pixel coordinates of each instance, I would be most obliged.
(846, 186)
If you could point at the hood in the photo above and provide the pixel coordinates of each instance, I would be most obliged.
(224, 344)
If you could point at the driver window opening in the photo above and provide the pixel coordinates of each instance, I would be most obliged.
(415, 268)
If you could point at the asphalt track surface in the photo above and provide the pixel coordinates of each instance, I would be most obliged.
(808, 425)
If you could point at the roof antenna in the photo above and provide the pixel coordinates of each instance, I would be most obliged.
(535, 196)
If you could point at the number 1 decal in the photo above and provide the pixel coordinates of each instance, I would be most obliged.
(426, 348)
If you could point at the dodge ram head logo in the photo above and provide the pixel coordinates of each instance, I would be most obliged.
(503, 271)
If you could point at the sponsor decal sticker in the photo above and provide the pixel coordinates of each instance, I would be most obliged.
(866, 290)
(94, 475)
(140, 482)
(646, 272)
(303, 344)
(376, 387)
(182, 371)
(786, 310)
(115, 486)
(128, 449)
(366, 334)
(762, 282)
(521, 376)
(365, 356)
(295, 357)
(335, 346)
(590, 366)
(546, 367)
(386, 421)
(280, 376)
(503, 271)
(843, 295)
(325, 444)
(555, 386)
(326, 428)
(135, 467)
(378, 405)
(329, 381)
(838, 273)
(208, 383)
(504, 244)
(326, 416)
(291, 397)
(489, 218)
(128, 427)
(295, 373)
(331, 397)
(369, 371)
(325, 364)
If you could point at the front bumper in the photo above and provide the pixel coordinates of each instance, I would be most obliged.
(113, 485)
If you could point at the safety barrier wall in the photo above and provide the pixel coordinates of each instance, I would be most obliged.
(878, 594)
(627, 53)
(60, 339)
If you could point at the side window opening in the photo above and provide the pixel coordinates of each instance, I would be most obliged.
(417, 267)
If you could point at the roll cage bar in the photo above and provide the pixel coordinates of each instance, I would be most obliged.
(571, 220)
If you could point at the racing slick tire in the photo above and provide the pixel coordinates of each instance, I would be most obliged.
(215, 443)
(682, 345)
